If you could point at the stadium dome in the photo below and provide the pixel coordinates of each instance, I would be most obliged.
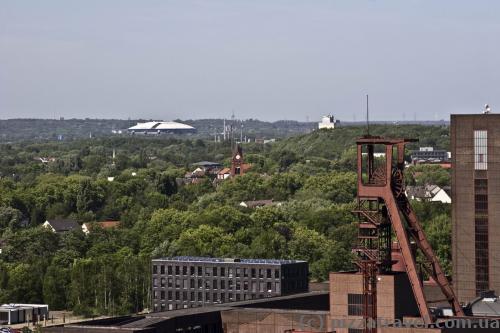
(157, 127)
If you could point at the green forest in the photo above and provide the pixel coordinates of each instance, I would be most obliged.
(108, 271)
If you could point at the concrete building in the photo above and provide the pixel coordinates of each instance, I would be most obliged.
(187, 282)
(11, 314)
(475, 151)
(395, 298)
(328, 122)
(429, 155)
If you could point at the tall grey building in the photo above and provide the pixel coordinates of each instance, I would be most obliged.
(475, 150)
(186, 282)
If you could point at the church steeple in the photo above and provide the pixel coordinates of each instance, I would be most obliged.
(237, 161)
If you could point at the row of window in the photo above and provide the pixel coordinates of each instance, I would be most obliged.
(481, 234)
(216, 271)
(214, 284)
(209, 297)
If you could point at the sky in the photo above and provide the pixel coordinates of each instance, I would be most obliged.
(263, 59)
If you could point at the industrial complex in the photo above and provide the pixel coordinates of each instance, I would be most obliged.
(398, 284)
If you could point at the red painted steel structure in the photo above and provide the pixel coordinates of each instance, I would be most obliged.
(383, 207)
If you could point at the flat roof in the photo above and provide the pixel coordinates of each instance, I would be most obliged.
(229, 260)
(206, 163)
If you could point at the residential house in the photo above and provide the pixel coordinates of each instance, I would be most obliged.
(61, 225)
(259, 203)
(89, 226)
(428, 193)
(224, 174)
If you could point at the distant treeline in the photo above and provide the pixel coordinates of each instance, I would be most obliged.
(71, 129)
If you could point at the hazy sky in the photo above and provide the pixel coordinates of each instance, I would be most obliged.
(266, 59)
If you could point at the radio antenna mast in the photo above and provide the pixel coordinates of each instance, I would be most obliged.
(367, 117)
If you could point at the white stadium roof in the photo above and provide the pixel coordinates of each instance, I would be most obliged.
(160, 125)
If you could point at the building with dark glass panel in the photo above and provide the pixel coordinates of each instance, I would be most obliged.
(186, 282)
(475, 151)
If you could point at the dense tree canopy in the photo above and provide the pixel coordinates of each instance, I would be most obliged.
(312, 177)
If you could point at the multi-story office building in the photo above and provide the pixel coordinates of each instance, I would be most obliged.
(429, 154)
(475, 151)
(186, 282)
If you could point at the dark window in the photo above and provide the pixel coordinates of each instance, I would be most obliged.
(214, 284)
(276, 273)
(177, 270)
(162, 269)
(222, 271)
(481, 235)
(200, 283)
(214, 271)
(268, 273)
(162, 294)
(253, 272)
(355, 304)
(200, 271)
(169, 270)
(155, 269)
(191, 270)
(355, 330)
(192, 296)
(184, 270)
(191, 283)
(169, 294)
(222, 284)
(177, 295)
(184, 295)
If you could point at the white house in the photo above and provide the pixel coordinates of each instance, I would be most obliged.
(432, 193)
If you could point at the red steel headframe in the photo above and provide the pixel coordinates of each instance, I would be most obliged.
(382, 187)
